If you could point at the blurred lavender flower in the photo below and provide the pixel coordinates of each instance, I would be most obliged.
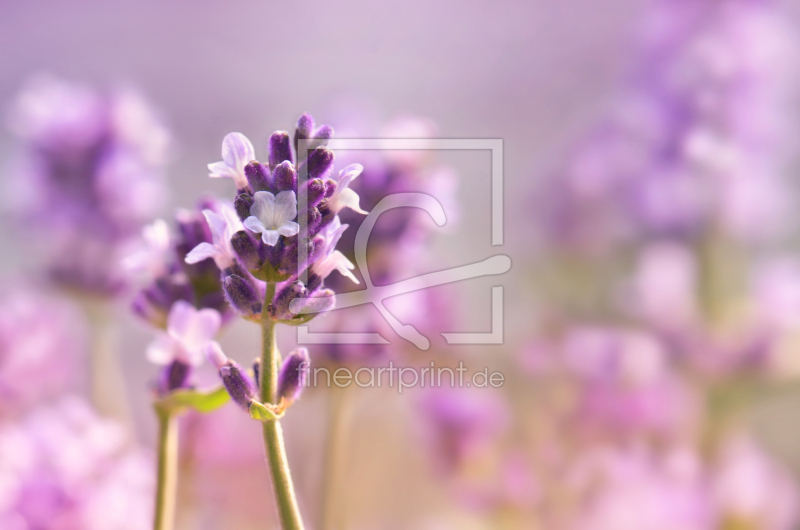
(42, 343)
(627, 490)
(461, 426)
(185, 296)
(699, 144)
(65, 467)
(91, 177)
(186, 266)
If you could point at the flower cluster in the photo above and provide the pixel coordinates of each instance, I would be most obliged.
(283, 234)
(91, 176)
(271, 241)
(186, 298)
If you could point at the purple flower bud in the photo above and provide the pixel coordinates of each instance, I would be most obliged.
(330, 188)
(246, 249)
(242, 295)
(320, 163)
(323, 134)
(305, 128)
(280, 306)
(314, 190)
(293, 375)
(280, 149)
(154, 302)
(238, 384)
(242, 204)
(314, 218)
(285, 177)
(174, 376)
(287, 263)
(258, 176)
(320, 138)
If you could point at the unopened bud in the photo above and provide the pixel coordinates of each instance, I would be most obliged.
(238, 385)
(285, 177)
(305, 128)
(280, 149)
(246, 249)
(280, 307)
(258, 176)
(293, 375)
(242, 295)
(320, 163)
(175, 375)
(314, 190)
(242, 204)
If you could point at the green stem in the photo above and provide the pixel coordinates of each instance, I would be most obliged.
(167, 469)
(273, 435)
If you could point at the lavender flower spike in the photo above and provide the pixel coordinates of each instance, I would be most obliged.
(237, 151)
(271, 216)
(294, 375)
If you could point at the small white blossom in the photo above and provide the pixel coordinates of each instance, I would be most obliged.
(237, 152)
(344, 197)
(272, 216)
(332, 259)
(149, 257)
(189, 332)
(223, 225)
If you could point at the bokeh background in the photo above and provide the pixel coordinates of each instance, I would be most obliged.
(650, 330)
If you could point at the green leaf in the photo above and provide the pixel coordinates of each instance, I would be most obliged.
(201, 401)
(258, 411)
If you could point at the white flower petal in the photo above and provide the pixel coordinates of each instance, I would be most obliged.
(221, 170)
(237, 150)
(347, 198)
(263, 207)
(192, 357)
(200, 252)
(289, 229)
(285, 207)
(254, 225)
(349, 173)
(270, 237)
(343, 265)
(203, 326)
(156, 234)
(180, 319)
(217, 224)
(231, 219)
(162, 350)
(334, 233)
